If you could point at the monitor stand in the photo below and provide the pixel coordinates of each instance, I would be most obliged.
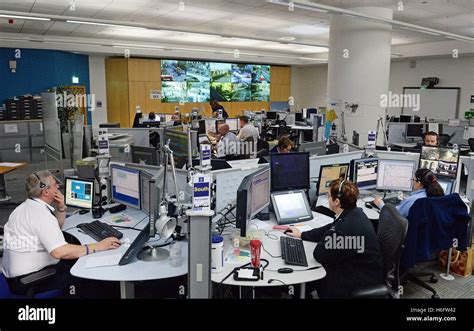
(153, 254)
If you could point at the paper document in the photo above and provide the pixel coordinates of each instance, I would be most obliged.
(120, 220)
(9, 164)
(102, 261)
(243, 258)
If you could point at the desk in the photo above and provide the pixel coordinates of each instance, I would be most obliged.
(371, 213)
(273, 246)
(5, 168)
(127, 274)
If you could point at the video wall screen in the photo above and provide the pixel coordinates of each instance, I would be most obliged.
(194, 81)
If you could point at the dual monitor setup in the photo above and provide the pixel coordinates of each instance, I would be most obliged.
(133, 187)
(283, 185)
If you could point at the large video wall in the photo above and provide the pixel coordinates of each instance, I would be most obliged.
(194, 81)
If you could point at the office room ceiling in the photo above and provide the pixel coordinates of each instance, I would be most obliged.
(225, 24)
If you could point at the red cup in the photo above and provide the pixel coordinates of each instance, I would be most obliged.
(255, 249)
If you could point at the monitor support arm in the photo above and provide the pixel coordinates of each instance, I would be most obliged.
(169, 156)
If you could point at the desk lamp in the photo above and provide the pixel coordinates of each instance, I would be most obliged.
(165, 227)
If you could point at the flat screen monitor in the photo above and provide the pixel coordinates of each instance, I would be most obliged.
(298, 117)
(253, 195)
(200, 126)
(415, 130)
(125, 186)
(311, 111)
(364, 173)
(79, 193)
(144, 155)
(272, 115)
(314, 148)
(405, 118)
(447, 185)
(290, 171)
(396, 175)
(440, 160)
(145, 190)
(329, 174)
(291, 207)
(179, 145)
(233, 123)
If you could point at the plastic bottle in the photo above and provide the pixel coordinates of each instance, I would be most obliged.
(175, 255)
(217, 255)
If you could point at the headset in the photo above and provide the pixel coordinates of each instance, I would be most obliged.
(42, 185)
(339, 191)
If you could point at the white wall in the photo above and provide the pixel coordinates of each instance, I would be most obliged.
(98, 88)
(309, 84)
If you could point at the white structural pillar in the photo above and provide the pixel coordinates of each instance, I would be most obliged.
(359, 68)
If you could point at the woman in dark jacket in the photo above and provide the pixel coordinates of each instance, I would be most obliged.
(348, 248)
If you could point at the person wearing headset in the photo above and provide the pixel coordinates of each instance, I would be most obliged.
(357, 262)
(33, 240)
(425, 185)
(431, 138)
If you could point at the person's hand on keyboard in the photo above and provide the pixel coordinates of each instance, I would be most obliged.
(108, 243)
(378, 202)
(293, 232)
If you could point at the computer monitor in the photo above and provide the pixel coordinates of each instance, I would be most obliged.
(272, 115)
(405, 118)
(200, 126)
(415, 130)
(329, 174)
(396, 175)
(233, 123)
(179, 145)
(448, 185)
(298, 117)
(442, 161)
(364, 173)
(79, 193)
(310, 111)
(290, 171)
(314, 148)
(109, 125)
(125, 185)
(332, 149)
(145, 190)
(291, 207)
(253, 195)
(144, 155)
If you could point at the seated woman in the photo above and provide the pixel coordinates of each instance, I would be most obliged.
(357, 262)
(285, 145)
(425, 185)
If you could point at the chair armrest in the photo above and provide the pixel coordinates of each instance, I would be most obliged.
(38, 276)
(373, 292)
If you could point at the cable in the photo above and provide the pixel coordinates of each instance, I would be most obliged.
(275, 257)
(125, 227)
(312, 268)
(276, 280)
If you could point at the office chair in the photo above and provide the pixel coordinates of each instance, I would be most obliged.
(444, 139)
(433, 225)
(5, 292)
(470, 141)
(392, 230)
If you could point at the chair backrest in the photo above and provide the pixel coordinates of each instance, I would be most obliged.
(4, 289)
(444, 139)
(471, 144)
(391, 233)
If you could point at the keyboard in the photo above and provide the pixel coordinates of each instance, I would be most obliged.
(99, 230)
(292, 251)
(393, 201)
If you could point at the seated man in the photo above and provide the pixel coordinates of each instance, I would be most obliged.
(33, 239)
(228, 145)
(248, 132)
(285, 145)
(430, 138)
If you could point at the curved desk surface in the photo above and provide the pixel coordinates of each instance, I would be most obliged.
(136, 270)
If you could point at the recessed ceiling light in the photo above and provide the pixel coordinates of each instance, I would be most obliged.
(287, 38)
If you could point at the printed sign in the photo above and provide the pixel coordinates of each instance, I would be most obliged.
(202, 192)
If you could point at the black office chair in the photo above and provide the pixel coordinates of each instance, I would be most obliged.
(391, 233)
(471, 144)
(444, 139)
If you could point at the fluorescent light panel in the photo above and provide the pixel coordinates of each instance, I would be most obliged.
(105, 24)
(26, 17)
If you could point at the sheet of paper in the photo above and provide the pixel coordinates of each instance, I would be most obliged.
(9, 164)
(11, 128)
(243, 258)
(102, 261)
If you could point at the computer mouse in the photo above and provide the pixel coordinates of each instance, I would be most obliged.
(285, 270)
(83, 211)
(288, 231)
(369, 205)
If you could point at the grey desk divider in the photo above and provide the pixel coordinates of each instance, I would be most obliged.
(52, 135)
